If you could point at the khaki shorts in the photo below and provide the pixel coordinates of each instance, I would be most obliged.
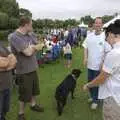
(111, 111)
(28, 86)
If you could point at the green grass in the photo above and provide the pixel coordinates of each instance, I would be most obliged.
(50, 76)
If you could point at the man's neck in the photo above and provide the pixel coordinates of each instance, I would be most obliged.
(22, 30)
(98, 32)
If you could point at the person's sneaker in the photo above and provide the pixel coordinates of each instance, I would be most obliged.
(94, 106)
(21, 117)
(37, 108)
(90, 100)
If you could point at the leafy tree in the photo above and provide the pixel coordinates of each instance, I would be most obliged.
(3, 20)
(107, 18)
(25, 12)
(13, 23)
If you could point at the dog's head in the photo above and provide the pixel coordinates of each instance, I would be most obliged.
(76, 72)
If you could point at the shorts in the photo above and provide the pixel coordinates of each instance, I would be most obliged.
(28, 86)
(68, 56)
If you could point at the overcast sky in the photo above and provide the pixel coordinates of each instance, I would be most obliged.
(63, 9)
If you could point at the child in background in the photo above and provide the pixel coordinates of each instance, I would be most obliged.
(67, 55)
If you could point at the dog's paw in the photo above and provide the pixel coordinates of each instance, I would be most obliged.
(60, 113)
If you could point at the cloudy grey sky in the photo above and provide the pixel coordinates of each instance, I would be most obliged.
(63, 9)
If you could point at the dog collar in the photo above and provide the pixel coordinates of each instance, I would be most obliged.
(74, 77)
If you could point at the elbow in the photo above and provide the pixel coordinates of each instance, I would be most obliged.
(28, 54)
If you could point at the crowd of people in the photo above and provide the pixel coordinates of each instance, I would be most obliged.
(60, 41)
(101, 58)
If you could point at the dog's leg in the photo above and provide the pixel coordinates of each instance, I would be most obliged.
(64, 101)
(72, 93)
(59, 107)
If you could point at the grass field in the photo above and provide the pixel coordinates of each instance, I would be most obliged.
(50, 76)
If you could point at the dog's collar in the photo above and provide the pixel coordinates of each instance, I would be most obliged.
(74, 77)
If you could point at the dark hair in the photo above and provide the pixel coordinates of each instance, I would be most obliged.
(114, 28)
(24, 20)
(90, 24)
(76, 72)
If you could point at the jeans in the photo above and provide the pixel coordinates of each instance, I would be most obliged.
(92, 74)
(4, 103)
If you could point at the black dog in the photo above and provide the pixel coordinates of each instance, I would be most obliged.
(63, 90)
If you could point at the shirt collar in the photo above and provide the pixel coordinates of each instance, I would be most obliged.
(21, 33)
(116, 45)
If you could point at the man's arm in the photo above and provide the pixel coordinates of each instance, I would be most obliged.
(32, 49)
(3, 62)
(29, 51)
(85, 46)
(85, 56)
(12, 62)
(97, 81)
(7, 63)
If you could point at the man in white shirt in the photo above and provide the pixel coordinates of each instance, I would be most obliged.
(109, 78)
(95, 48)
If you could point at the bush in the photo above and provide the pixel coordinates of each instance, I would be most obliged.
(4, 35)
(13, 23)
(3, 21)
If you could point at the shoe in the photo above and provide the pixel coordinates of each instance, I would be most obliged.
(90, 100)
(21, 117)
(94, 106)
(37, 108)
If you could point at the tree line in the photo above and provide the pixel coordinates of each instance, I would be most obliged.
(10, 12)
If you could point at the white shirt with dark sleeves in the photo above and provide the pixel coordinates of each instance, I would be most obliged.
(18, 43)
(97, 48)
(111, 87)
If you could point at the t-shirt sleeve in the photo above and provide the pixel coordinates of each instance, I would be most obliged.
(107, 47)
(18, 44)
(108, 63)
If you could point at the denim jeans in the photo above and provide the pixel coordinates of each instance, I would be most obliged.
(4, 103)
(92, 74)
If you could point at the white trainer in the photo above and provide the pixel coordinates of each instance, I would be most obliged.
(94, 106)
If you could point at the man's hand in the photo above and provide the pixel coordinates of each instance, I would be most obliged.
(85, 87)
(39, 46)
(12, 62)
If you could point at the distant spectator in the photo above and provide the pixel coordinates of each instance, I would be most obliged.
(68, 55)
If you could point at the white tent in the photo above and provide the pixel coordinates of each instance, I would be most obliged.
(83, 25)
(111, 21)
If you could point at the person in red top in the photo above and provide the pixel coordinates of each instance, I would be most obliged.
(54, 39)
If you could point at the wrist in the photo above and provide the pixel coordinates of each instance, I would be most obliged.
(89, 85)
